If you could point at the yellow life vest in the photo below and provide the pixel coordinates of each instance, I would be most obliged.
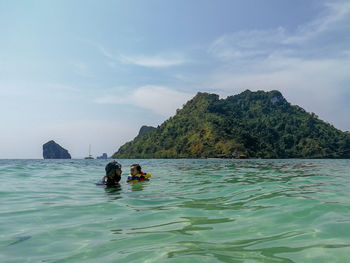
(138, 177)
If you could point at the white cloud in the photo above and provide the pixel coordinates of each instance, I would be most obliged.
(81, 69)
(336, 11)
(263, 43)
(152, 61)
(308, 66)
(317, 77)
(162, 100)
(106, 53)
(156, 61)
(318, 85)
(246, 44)
(159, 99)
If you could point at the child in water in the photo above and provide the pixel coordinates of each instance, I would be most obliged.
(136, 175)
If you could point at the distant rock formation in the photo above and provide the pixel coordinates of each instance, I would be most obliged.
(145, 129)
(103, 156)
(52, 150)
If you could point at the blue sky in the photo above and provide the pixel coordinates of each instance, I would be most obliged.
(92, 72)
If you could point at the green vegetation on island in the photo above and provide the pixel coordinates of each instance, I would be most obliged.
(145, 129)
(251, 124)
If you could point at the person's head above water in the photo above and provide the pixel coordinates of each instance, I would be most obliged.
(113, 169)
(135, 169)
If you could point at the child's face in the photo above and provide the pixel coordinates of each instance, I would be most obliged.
(133, 170)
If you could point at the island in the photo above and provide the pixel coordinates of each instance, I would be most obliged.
(103, 156)
(247, 125)
(52, 150)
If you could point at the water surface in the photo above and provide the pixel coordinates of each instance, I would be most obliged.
(191, 211)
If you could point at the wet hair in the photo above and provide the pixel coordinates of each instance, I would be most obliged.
(112, 166)
(137, 166)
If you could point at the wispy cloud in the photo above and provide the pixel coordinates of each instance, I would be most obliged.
(156, 61)
(263, 43)
(159, 99)
(335, 13)
(318, 85)
(246, 44)
(105, 52)
(307, 65)
(81, 69)
(152, 61)
(319, 79)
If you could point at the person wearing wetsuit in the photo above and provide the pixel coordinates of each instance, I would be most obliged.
(113, 174)
(136, 175)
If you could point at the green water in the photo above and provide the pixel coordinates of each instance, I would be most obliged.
(191, 211)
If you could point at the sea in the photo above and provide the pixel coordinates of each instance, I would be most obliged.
(192, 210)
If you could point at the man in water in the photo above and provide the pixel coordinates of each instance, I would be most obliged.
(136, 175)
(113, 174)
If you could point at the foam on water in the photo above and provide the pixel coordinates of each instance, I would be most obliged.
(191, 211)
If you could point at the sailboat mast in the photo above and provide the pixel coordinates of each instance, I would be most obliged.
(90, 156)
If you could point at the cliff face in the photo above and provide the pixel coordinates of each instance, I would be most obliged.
(251, 124)
(52, 150)
(145, 129)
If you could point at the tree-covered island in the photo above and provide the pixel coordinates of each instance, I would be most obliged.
(251, 124)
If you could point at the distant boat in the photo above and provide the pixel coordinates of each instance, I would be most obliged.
(90, 156)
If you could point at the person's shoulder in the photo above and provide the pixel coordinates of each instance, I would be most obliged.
(104, 179)
(102, 182)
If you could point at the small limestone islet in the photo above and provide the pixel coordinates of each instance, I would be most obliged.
(52, 150)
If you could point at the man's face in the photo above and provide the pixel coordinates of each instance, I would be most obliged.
(118, 171)
(133, 170)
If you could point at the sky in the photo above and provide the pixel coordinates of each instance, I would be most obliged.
(94, 71)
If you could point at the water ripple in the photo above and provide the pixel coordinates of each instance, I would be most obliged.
(191, 211)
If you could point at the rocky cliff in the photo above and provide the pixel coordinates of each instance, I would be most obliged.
(52, 150)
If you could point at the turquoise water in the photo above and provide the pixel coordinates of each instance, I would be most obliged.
(191, 211)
